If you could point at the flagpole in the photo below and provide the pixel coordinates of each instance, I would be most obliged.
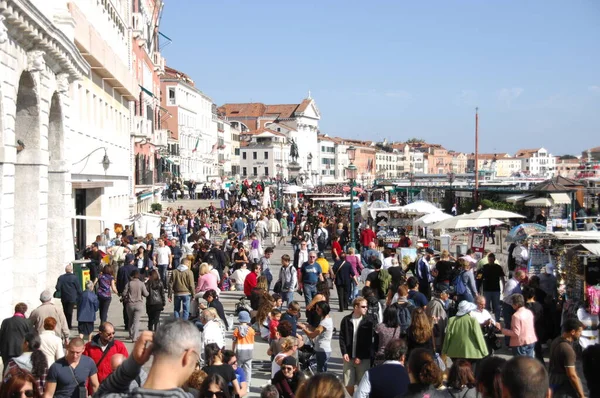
(476, 193)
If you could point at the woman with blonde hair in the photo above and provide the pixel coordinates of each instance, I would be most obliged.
(420, 332)
(206, 281)
(321, 385)
(289, 346)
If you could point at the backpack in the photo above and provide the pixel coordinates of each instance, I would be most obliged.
(373, 312)
(322, 238)
(459, 284)
(404, 317)
(385, 280)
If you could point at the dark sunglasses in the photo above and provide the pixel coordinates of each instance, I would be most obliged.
(218, 394)
(17, 394)
(363, 306)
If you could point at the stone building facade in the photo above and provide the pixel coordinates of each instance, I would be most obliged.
(38, 63)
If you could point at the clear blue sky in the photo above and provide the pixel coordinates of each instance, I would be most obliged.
(401, 69)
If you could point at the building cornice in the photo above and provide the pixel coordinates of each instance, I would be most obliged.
(33, 31)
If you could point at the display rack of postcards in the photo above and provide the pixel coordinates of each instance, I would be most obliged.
(574, 274)
(540, 253)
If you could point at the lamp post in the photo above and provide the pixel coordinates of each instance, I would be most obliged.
(351, 173)
(279, 174)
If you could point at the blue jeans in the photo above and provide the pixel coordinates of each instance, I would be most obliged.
(492, 299)
(162, 271)
(310, 291)
(322, 358)
(182, 301)
(287, 297)
(524, 350)
(354, 292)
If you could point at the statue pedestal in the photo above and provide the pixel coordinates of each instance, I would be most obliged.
(293, 171)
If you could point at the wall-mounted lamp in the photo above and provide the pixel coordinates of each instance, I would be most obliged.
(105, 160)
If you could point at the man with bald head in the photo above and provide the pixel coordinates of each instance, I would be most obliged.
(116, 361)
(69, 288)
(175, 347)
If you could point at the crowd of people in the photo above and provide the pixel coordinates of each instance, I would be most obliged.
(432, 326)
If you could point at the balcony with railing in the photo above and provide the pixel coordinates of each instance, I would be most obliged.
(159, 63)
(160, 138)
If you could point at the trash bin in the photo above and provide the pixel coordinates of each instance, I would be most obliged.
(461, 250)
(81, 269)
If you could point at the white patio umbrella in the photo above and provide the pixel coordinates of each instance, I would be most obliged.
(460, 222)
(491, 213)
(431, 218)
(420, 207)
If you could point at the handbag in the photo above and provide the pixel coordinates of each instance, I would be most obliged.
(277, 287)
(81, 390)
(437, 358)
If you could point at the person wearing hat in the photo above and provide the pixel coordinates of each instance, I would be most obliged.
(464, 338)
(46, 309)
(288, 378)
(243, 344)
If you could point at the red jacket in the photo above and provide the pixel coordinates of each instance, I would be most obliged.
(367, 236)
(94, 351)
(250, 283)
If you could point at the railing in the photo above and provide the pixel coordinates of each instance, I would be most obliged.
(137, 24)
(159, 62)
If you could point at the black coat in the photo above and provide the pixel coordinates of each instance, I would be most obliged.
(69, 287)
(364, 345)
(12, 333)
(343, 275)
(124, 276)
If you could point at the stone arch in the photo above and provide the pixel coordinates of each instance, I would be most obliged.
(56, 139)
(29, 191)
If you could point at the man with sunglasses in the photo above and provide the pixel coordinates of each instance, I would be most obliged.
(288, 378)
(101, 349)
(356, 342)
(175, 348)
(311, 273)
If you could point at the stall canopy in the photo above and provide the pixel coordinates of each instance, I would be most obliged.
(333, 199)
(420, 207)
(560, 198)
(431, 218)
(539, 202)
(518, 198)
(460, 222)
(593, 248)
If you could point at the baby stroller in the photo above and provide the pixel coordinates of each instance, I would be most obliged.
(307, 359)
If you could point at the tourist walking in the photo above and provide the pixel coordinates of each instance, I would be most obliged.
(68, 287)
(181, 285)
(102, 348)
(134, 294)
(46, 309)
(106, 286)
(155, 302)
(87, 306)
(12, 333)
(522, 328)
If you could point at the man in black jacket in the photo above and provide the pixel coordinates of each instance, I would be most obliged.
(12, 333)
(123, 278)
(376, 381)
(356, 343)
(69, 287)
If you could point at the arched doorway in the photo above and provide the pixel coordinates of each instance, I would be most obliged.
(59, 250)
(29, 230)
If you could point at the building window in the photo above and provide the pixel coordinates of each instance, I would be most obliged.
(254, 155)
(255, 170)
(172, 96)
(237, 152)
(244, 155)
(266, 155)
(244, 172)
(266, 171)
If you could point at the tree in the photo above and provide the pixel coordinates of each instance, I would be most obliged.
(566, 157)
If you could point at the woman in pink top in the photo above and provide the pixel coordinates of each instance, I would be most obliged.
(357, 267)
(522, 329)
(207, 280)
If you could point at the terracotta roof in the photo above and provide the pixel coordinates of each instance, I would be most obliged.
(526, 153)
(285, 111)
(171, 73)
(303, 105)
(255, 109)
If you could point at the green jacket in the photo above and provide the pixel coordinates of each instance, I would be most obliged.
(464, 339)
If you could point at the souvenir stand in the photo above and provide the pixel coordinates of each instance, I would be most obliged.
(582, 275)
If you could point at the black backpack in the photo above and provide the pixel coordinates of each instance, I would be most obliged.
(404, 317)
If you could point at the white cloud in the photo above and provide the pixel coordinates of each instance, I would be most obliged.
(594, 89)
(508, 95)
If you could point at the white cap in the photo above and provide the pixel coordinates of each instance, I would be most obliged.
(549, 268)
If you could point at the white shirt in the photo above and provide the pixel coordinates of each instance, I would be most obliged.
(355, 323)
(51, 346)
(481, 316)
(240, 275)
(162, 255)
(387, 262)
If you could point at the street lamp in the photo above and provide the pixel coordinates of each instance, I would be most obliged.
(351, 173)
(279, 175)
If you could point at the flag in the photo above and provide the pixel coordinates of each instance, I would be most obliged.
(196, 146)
(214, 147)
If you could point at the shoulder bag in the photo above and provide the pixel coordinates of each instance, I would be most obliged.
(81, 390)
